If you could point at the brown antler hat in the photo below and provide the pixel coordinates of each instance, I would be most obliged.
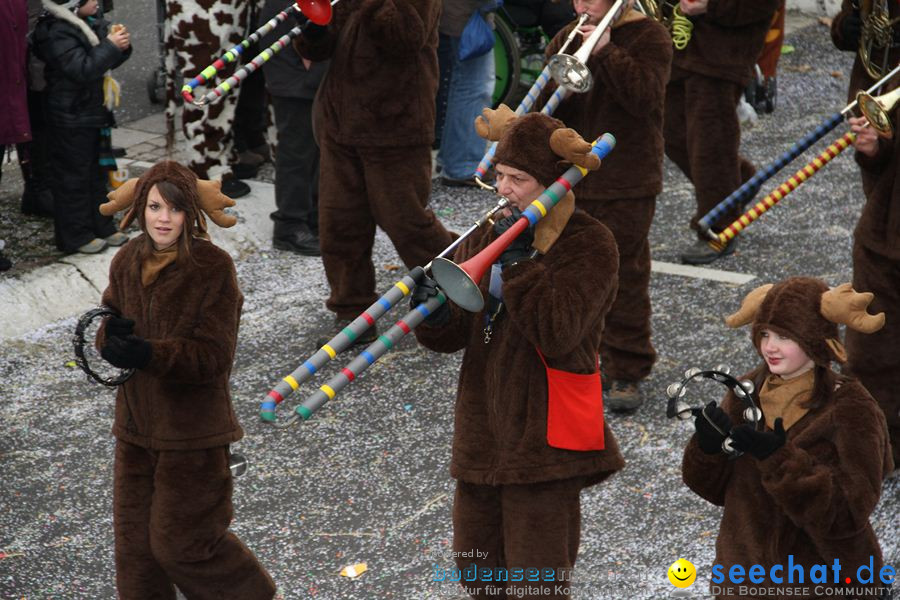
(525, 145)
(807, 311)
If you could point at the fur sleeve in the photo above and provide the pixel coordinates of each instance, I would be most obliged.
(875, 165)
(738, 13)
(400, 27)
(830, 487)
(707, 475)
(208, 350)
(557, 300)
(836, 21)
(636, 74)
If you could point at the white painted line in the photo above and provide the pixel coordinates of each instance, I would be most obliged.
(700, 272)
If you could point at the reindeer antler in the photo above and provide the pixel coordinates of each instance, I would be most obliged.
(213, 202)
(568, 144)
(749, 306)
(845, 305)
(119, 199)
(494, 122)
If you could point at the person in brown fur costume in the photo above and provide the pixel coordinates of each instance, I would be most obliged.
(812, 469)
(876, 240)
(702, 132)
(630, 66)
(374, 118)
(517, 495)
(180, 305)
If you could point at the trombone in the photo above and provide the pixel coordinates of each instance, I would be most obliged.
(571, 71)
(316, 11)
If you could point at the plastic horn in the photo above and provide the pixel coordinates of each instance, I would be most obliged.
(317, 11)
(571, 71)
(797, 179)
(367, 357)
(460, 282)
(751, 186)
(345, 338)
(527, 104)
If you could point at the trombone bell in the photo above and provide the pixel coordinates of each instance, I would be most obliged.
(570, 73)
(877, 110)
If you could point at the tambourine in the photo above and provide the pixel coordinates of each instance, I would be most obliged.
(745, 390)
(86, 355)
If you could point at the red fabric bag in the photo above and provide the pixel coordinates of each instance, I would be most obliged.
(574, 409)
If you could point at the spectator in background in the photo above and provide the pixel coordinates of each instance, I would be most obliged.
(79, 50)
(466, 87)
(251, 112)
(14, 126)
(292, 83)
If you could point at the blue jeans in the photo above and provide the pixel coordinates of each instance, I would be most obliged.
(469, 89)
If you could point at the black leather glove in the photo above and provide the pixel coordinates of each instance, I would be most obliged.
(129, 352)
(119, 327)
(712, 426)
(760, 444)
(851, 28)
(425, 290)
(521, 246)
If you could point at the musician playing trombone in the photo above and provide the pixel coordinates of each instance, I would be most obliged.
(702, 132)
(519, 473)
(875, 359)
(630, 67)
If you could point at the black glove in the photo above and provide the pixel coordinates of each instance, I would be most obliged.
(119, 327)
(425, 290)
(708, 436)
(760, 444)
(311, 31)
(521, 246)
(129, 352)
(851, 28)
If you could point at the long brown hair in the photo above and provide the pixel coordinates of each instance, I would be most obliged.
(178, 186)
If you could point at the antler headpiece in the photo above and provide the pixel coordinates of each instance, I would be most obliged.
(807, 311)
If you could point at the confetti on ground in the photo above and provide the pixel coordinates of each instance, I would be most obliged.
(356, 570)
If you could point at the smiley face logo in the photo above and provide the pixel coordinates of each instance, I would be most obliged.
(682, 573)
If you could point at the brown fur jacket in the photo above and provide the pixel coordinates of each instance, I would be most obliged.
(627, 100)
(556, 303)
(383, 77)
(727, 39)
(190, 316)
(811, 499)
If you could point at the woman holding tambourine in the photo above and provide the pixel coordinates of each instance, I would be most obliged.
(180, 305)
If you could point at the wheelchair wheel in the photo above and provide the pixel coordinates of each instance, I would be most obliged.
(507, 67)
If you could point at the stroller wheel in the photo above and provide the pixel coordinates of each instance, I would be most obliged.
(156, 86)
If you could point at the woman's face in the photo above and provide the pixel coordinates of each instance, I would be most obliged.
(164, 221)
(783, 355)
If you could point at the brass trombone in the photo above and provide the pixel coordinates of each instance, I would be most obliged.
(571, 71)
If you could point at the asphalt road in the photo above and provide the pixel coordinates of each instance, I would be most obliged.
(366, 479)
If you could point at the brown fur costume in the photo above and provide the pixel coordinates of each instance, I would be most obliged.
(627, 100)
(875, 359)
(812, 497)
(508, 474)
(174, 420)
(375, 123)
(702, 132)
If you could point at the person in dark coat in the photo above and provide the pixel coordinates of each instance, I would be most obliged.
(630, 67)
(517, 502)
(702, 132)
(179, 304)
(811, 471)
(78, 50)
(375, 124)
(292, 83)
(875, 359)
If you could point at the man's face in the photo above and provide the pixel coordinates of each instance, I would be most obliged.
(520, 188)
(595, 8)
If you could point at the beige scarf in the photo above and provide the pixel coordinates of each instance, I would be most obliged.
(783, 398)
(156, 262)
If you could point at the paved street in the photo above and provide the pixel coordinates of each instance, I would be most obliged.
(366, 479)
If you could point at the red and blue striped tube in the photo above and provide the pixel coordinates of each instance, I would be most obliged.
(773, 198)
(524, 107)
(367, 357)
(743, 194)
(232, 55)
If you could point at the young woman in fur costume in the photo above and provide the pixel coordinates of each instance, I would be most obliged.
(809, 479)
(517, 502)
(180, 305)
